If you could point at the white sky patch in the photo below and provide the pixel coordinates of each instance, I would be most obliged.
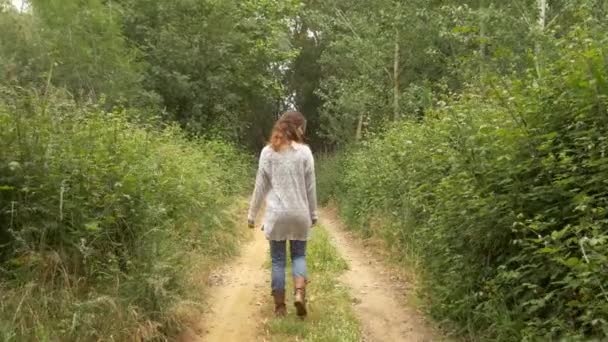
(19, 4)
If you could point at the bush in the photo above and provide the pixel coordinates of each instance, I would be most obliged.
(502, 198)
(98, 216)
(328, 169)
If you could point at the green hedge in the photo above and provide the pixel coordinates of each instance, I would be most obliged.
(98, 215)
(502, 198)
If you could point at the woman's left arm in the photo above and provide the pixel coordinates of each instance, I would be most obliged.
(311, 187)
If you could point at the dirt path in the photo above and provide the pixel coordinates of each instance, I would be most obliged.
(237, 292)
(378, 297)
(240, 289)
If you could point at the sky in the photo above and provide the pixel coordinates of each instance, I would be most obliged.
(17, 3)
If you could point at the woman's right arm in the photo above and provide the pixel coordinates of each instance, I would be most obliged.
(262, 186)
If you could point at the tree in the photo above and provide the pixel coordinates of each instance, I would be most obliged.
(217, 65)
(86, 49)
(304, 73)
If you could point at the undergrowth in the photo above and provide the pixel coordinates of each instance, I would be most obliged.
(500, 195)
(99, 218)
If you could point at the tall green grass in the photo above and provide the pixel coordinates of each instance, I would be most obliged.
(99, 218)
(329, 168)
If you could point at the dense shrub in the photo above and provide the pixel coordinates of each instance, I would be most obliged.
(328, 168)
(97, 217)
(502, 199)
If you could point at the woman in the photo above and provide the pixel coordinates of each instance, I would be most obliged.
(286, 179)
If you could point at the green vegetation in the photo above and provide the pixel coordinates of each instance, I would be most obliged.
(329, 169)
(470, 135)
(480, 155)
(99, 218)
(119, 167)
(500, 194)
(330, 315)
(213, 66)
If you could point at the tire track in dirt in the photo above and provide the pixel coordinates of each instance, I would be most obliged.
(379, 300)
(236, 293)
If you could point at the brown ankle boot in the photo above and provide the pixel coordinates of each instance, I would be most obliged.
(280, 309)
(300, 296)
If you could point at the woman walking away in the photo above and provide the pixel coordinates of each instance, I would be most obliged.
(286, 179)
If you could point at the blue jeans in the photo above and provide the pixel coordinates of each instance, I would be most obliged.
(279, 261)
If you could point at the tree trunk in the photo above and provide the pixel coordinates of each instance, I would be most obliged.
(359, 128)
(482, 36)
(396, 92)
(542, 20)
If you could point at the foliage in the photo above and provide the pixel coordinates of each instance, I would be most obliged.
(215, 67)
(77, 45)
(215, 64)
(304, 72)
(479, 145)
(98, 216)
(357, 58)
(500, 195)
(349, 54)
(328, 168)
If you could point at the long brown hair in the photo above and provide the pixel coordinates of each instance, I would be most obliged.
(287, 129)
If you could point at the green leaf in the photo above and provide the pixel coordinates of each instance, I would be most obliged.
(92, 226)
(571, 262)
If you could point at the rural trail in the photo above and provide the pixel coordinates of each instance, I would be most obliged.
(240, 289)
(237, 292)
(381, 303)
